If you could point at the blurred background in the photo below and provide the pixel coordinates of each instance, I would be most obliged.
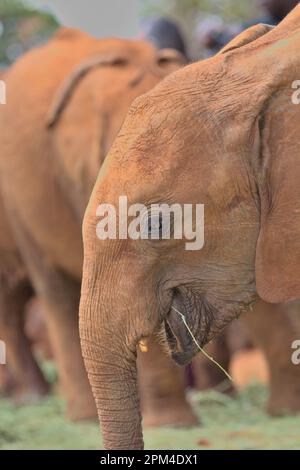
(198, 28)
(24, 24)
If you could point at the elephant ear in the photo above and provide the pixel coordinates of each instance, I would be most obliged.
(270, 65)
(273, 64)
(278, 246)
(167, 57)
(247, 36)
(68, 86)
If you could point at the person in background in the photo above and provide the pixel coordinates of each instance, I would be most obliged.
(211, 34)
(217, 35)
(275, 11)
(164, 33)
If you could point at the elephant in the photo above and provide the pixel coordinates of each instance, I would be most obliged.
(205, 375)
(67, 101)
(23, 380)
(271, 327)
(220, 133)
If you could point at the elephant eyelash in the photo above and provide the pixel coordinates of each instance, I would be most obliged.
(198, 345)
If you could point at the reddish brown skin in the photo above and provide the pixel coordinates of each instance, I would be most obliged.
(47, 177)
(272, 328)
(275, 328)
(23, 380)
(36, 330)
(197, 136)
(162, 389)
(206, 374)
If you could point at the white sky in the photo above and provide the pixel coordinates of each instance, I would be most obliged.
(98, 17)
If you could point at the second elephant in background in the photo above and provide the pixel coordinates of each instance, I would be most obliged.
(271, 328)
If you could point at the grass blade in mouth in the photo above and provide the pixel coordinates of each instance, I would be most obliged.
(198, 345)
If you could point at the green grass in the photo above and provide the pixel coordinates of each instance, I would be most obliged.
(227, 423)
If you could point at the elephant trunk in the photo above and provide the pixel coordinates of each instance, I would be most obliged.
(112, 371)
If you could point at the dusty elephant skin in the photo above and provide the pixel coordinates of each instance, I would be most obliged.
(65, 104)
(24, 380)
(272, 328)
(222, 133)
(281, 323)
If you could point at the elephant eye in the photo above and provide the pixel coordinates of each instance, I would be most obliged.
(157, 226)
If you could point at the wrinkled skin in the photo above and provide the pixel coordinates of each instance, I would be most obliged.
(75, 92)
(222, 133)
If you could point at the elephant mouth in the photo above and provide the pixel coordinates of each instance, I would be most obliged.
(192, 320)
(183, 330)
(182, 355)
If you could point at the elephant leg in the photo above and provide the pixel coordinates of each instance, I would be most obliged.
(59, 295)
(162, 389)
(8, 385)
(25, 380)
(206, 374)
(274, 328)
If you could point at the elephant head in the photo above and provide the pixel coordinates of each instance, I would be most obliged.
(221, 133)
